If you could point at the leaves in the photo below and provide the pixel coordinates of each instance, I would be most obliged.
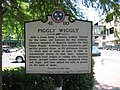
(109, 17)
(15, 12)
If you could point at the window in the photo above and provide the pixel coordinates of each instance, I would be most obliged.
(112, 30)
(104, 37)
(103, 32)
(107, 32)
(96, 37)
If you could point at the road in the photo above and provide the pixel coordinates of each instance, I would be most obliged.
(107, 70)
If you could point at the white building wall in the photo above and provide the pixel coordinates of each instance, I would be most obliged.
(110, 38)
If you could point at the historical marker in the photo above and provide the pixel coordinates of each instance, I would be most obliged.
(58, 46)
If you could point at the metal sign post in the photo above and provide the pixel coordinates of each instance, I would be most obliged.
(58, 88)
(58, 82)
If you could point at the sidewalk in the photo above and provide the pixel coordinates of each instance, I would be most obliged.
(99, 86)
(107, 75)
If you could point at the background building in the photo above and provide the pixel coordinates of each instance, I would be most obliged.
(106, 33)
(99, 35)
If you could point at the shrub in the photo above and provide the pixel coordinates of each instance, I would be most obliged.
(16, 79)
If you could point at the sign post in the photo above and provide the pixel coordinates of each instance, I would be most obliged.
(58, 46)
(58, 82)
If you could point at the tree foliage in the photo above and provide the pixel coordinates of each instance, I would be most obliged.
(15, 12)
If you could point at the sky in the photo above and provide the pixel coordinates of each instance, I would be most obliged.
(90, 13)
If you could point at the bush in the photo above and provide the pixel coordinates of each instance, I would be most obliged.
(16, 79)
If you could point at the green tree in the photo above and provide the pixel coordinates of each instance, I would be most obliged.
(13, 19)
